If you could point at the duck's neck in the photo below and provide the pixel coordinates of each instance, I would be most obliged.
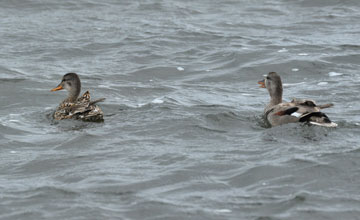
(73, 95)
(276, 97)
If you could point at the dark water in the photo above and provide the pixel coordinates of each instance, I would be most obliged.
(183, 136)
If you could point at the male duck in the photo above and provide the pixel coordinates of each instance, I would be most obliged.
(278, 112)
(77, 108)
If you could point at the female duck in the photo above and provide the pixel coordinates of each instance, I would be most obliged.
(278, 112)
(77, 108)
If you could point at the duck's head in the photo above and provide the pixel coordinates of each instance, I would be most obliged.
(70, 82)
(273, 84)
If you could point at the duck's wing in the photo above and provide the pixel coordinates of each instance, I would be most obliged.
(96, 101)
(87, 110)
(63, 111)
(281, 114)
(85, 98)
(328, 105)
(286, 111)
(79, 109)
(298, 111)
(309, 103)
(311, 113)
(83, 109)
(318, 118)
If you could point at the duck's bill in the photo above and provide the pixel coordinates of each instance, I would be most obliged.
(57, 88)
(262, 83)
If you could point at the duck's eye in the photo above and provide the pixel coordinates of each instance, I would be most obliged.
(268, 78)
(69, 83)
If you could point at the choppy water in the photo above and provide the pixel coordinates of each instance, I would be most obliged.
(183, 136)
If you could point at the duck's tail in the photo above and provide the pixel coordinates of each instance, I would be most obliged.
(328, 105)
(96, 101)
(318, 118)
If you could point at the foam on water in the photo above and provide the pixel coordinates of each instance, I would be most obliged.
(322, 83)
(157, 101)
(335, 74)
(283, 50)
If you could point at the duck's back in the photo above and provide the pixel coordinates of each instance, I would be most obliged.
(298, 110)
(82, 109)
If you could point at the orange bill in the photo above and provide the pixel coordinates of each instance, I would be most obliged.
(262, 83)
(57, 88)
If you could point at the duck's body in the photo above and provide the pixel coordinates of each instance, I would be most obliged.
(278, 112)
(77, 108)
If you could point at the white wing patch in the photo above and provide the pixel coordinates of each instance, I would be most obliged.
(296, 114)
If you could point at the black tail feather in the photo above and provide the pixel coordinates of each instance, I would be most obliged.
(307, 118)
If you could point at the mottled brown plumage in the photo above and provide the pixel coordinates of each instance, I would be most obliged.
(77, 108)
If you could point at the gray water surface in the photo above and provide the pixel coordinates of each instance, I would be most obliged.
(183, 136)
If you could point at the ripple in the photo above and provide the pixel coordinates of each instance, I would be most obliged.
(183, 135)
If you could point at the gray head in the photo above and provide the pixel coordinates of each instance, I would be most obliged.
(274, 85)
(70, 82)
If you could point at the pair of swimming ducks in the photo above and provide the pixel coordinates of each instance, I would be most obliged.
(276, 112)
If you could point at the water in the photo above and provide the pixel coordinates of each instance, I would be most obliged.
(183, 136)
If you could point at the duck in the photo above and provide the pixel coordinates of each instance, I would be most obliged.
(77, 108)
(298, 110)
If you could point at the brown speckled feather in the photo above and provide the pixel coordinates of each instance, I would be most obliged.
(82, 109)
